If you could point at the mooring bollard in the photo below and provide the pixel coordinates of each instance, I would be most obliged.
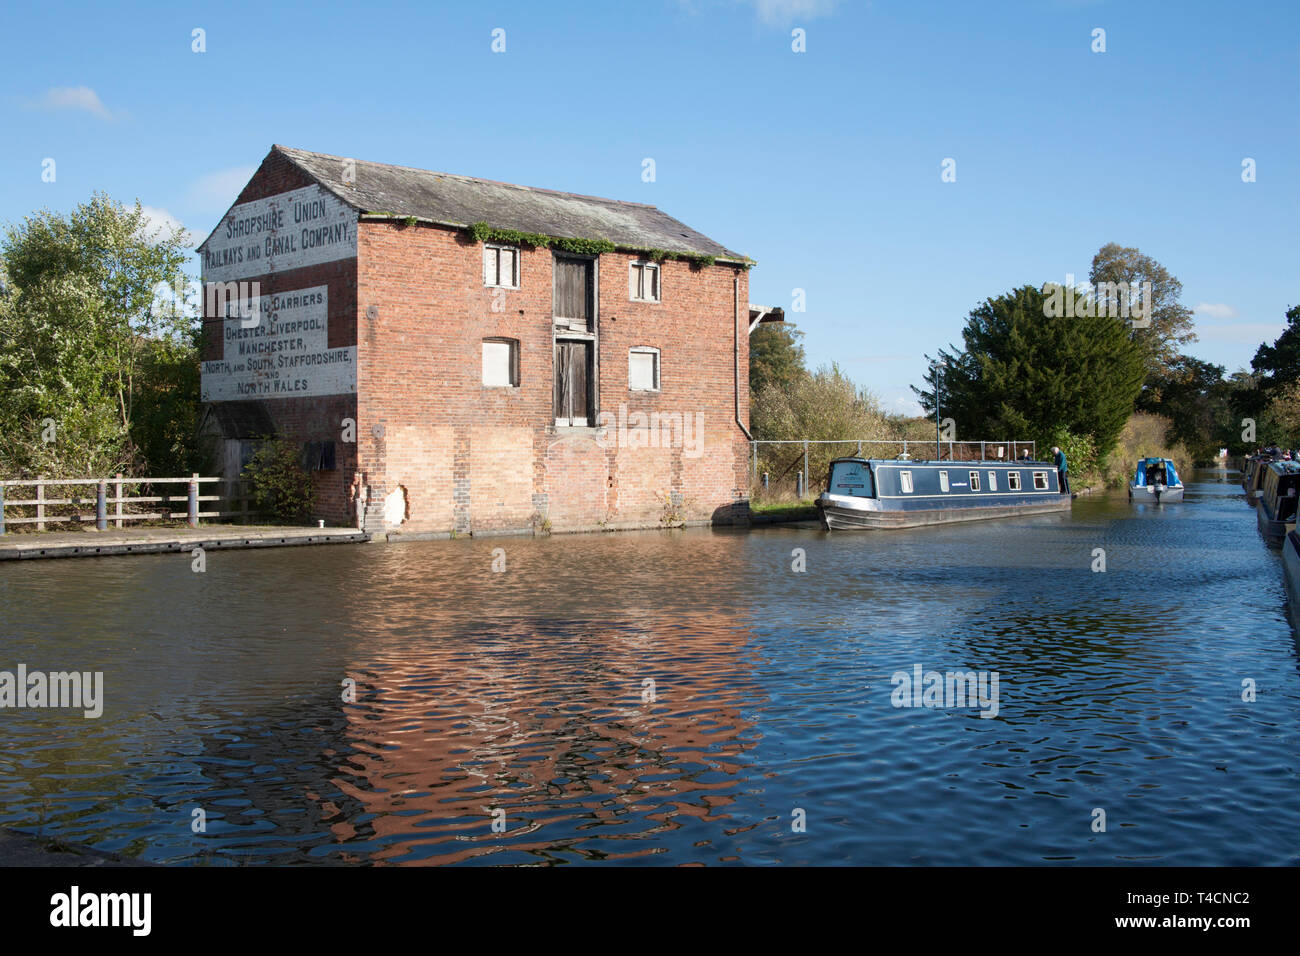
(101, 506)
(798, 489)
(194, 500)
(765, 481)
(2, 508)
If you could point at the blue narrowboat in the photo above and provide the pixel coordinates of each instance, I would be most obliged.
(1276, 510)
(900, 493)
(1155, 479)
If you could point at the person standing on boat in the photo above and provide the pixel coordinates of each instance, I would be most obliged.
(1062, 469)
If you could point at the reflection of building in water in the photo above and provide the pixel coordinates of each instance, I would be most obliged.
(545, 719)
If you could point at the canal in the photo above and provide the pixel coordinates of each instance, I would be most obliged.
(676, 697)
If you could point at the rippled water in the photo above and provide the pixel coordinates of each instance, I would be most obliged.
(525, 691)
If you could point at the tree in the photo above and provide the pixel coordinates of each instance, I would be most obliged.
(1022, 375)
(80, 325)
(775, 356)
(1278, 365)
(1196, 400)
(1171, 321)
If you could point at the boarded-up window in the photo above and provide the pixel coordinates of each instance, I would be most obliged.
(943, 481)
(993, 481)
(643, 369)
(905, 482)
(574, 285)
(974, 481)
(500, 362)
(501, 266)
(643, 282)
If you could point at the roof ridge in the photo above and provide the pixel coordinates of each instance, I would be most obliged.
(289, 150)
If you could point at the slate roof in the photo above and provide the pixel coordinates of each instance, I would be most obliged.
(448, 199)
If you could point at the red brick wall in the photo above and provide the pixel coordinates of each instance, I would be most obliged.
(424, 312)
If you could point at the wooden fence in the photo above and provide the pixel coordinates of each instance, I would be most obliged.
(117, 500)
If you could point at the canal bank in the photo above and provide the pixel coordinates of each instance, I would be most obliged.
(98, 544)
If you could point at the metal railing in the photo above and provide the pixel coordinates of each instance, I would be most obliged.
(42, 510)
(888, 448)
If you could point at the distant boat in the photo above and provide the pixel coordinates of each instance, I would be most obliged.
(1253, 477)
(1276, 511)
(1155, 479)
(900, 493)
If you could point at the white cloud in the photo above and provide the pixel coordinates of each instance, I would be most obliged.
(1216, 310)
(158, 221)
(782, 12)
(217, 191)
(75, 98)
(1245, 333)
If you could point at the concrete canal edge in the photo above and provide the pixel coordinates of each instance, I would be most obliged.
(23, 849)
(91, 544)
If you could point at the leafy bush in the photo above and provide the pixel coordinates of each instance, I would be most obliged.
(279, 483)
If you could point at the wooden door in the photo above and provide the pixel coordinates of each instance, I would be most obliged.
(574, 288)
(572, 382)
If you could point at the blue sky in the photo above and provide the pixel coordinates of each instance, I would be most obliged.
(822, 165)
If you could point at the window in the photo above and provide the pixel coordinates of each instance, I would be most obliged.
(1013, 480)
(318, 456)
(500, 363)
(501, 266)
(993, 481)
(943, 481)
(643, 369)
(974, 481)
(1040, 481)
(905, 481)
(643, 282)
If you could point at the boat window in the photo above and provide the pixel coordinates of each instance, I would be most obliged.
(993, 481)
(974, 481)
(1040, 481)
(851, 478)
(905, 480)
(943, 481)
(1013, 480)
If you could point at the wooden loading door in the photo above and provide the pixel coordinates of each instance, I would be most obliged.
(572, 382)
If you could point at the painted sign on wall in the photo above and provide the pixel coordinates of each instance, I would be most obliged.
(277, 346)
(304, 227)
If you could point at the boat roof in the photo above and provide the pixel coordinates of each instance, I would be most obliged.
(930, 461)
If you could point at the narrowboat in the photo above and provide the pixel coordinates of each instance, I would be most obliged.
(1291, 566)
(900, 493)
(1253, 478)
(1156, 479)
(1276, 510)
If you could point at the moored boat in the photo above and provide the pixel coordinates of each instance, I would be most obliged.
(1155, 479)
(880, 493)
(1291, 566)
(1253, 476)
(1276, 509)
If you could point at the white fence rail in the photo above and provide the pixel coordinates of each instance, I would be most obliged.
(32, 499)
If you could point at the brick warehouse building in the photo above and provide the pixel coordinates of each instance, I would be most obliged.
(460, 355)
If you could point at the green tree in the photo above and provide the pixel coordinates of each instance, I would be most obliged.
(775, 356)
(1170, 321)
(1022, 375)
(81, 323)
(1278, 365)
